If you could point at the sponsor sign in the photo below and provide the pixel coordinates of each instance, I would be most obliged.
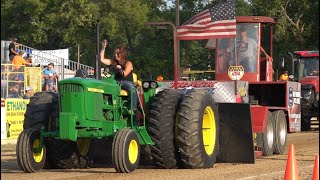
(15, 109)
(235, 72)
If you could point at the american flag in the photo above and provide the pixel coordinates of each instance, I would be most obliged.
(216, 22)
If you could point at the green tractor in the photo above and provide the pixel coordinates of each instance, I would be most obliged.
(58, 129)
(181, 128)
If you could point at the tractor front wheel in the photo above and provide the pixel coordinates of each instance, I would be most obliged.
(28, 158)
(125, 151)
(198, 128)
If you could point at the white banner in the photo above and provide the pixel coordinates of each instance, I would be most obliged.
(44, 57)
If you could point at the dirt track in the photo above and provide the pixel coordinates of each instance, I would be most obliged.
(306, 146)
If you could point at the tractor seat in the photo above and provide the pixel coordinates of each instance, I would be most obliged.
(137, 83)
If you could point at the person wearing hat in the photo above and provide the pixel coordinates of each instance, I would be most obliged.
(18, 60)
(28, 93)
(284, 76)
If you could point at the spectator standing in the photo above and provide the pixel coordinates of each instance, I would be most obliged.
(51, 84)
(17, 61)
(45, 74)
(284, 76)
(28, 93)
(12, 48)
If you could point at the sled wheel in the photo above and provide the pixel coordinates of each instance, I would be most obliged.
(280, 124)
(83, 146)
(198, 129)
(265, 140)
(28, 159)
(125, 151)
(162, 116)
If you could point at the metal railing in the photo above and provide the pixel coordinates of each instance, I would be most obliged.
(65, 68)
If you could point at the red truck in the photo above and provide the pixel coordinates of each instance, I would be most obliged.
(306, 72)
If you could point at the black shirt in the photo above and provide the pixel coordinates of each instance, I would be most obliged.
(119, 73)
(12, 46)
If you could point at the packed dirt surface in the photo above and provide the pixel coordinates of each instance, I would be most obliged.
(306, 145)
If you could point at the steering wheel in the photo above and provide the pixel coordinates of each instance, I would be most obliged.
(242, 46)
(106, 71)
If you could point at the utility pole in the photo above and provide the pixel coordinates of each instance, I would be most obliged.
(175, 57)
(78, 56)
(178, 41)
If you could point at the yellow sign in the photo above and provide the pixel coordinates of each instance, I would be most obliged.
(95, 90)
(235, 72)
(15, 109)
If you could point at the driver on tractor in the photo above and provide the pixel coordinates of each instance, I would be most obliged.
(123, 72)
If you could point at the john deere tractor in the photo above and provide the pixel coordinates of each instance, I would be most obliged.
(181, 127)
(58, 128)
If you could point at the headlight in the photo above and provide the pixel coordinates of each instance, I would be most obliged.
(145, 84)
(153, 84)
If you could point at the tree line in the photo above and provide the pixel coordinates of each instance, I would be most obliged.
(46, 24)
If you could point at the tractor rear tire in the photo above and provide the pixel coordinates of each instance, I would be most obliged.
(62, 154)
(280, 124)
(266, 139)
(162, 115)
(198, 130)
(83, 150)
(29, 160)
(125, 151)
(40, 111)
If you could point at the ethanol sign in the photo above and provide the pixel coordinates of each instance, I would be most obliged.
(15, 109)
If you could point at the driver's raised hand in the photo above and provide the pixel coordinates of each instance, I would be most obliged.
(104, 43)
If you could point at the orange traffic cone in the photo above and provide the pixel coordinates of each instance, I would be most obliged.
(315, 175)
(291, 168)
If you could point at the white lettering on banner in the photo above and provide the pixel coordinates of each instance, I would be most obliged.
(296, 100)
(296, 94)
(293, 115)
(56, 56)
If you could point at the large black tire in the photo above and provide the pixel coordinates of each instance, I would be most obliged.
(28, 159)
(39, 111)
(83, 151)
(125, 151)
(280, 124)
(62, 154)
(198, 130)
(162, 115)
(265, 140)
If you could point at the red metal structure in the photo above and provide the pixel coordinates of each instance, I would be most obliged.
(274, 106)
(306, 72)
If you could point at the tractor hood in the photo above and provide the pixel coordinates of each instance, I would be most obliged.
(106, 85)
(313, 80)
